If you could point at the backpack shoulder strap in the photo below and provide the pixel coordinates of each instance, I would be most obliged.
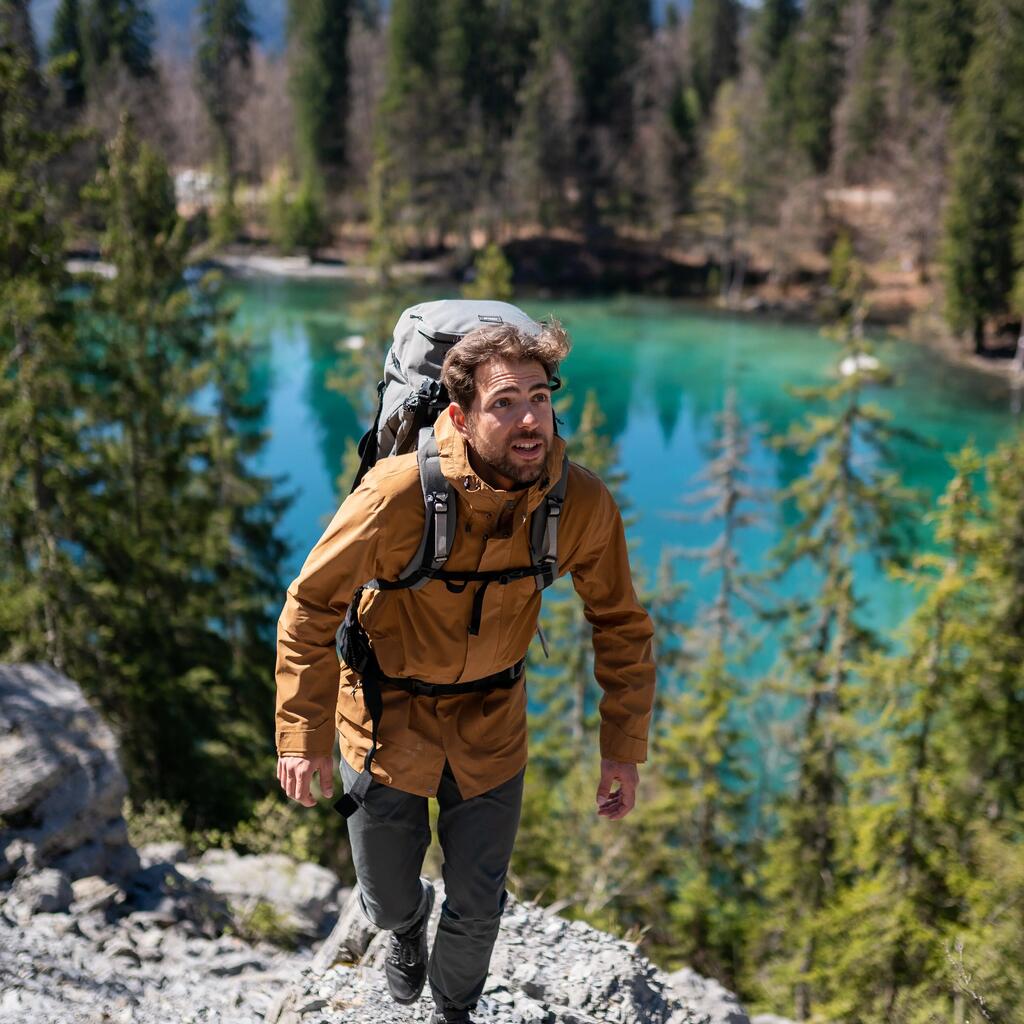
(544, 530)
(368, 443)
(439, 506)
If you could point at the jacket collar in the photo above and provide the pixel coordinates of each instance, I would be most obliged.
(477, 493)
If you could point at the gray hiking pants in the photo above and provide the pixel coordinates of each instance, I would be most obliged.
(389, 836)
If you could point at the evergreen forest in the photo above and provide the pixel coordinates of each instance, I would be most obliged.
(141, 554)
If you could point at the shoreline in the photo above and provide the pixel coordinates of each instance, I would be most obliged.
(924, 327)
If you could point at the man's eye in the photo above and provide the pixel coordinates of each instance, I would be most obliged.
(541, 396)
(501, 403)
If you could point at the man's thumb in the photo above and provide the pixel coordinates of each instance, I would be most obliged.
(327, 780)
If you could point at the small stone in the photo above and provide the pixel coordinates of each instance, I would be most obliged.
(162, 853)
(45, 891)
(532, 1011)
(229, 966)
(152, 918)
(119, 949)
(94, 893)
(148, 944)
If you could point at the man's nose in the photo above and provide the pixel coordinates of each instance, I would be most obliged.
(529, 415)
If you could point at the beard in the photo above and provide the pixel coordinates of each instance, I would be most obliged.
(500, 457)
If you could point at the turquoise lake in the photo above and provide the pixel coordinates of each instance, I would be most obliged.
(660, 369)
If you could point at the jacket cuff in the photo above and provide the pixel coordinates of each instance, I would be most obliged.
(318, 742)
(618, 746)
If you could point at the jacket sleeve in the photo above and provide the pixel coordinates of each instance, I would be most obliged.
(307, 670)
(623, 632)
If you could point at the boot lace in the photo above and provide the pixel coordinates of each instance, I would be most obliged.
(405, 948)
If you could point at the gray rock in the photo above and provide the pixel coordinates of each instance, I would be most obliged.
(61, 785)
(226, 967)
(47, 891)
(304, 896)
(94, 893)
(162, 853)
(769, 1018)
(705, 995)
(120, 948)
(169, 896)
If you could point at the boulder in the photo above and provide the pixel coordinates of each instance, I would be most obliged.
(62, 785)
(714, 1002)
(38, 892)
(303, 896)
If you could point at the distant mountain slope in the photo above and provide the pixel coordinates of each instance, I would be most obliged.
(175, 20)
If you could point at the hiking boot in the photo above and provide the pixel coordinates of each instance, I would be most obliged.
(406, 964)
(451, 1017)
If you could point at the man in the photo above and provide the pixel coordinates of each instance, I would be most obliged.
(500, 454)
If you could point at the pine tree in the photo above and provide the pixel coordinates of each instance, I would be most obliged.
(116, 34)
(1017, 293)
(998, 707)
(565, 683)
(40, 472)
(455, 69)
(722, 195)
(986, 191)
(883, 955)
(17, 34)
(704, 781)
(602, 40)
(410, 135)
(714, 47)
(773, 26)
(492, 276)
(223, 60)
(866, 107)
(66, 43)
(817, 78)
(178, 537)
(936, 36)
(843, 508)
(318, 32)
(985, 965)
(544, 145)
(614, 878)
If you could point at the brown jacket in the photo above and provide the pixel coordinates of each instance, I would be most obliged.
(425, 633)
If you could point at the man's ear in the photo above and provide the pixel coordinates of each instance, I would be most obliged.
(458, 418)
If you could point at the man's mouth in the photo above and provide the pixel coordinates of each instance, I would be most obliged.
(528, 448)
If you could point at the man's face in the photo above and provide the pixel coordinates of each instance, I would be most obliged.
(510, 426)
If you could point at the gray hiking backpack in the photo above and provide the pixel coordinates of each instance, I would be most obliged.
(411, 396)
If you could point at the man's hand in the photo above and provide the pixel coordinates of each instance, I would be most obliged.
(295, 773)
(620, 803)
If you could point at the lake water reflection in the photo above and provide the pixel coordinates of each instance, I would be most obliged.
(660, 370)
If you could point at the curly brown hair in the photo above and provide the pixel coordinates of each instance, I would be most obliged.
(549, 347)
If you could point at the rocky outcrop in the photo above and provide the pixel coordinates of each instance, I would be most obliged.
(86, 967)
(61, 784)
(91, 930)
(149, 968)
(545, 970)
